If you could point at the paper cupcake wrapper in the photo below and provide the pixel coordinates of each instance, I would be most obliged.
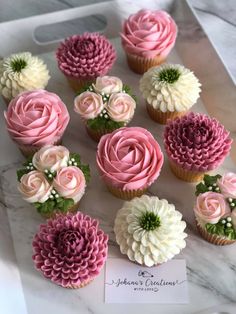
(140, 65)
(213, 238)
(162, 117)
(127, 194)
(72, 209)
(76, 84)
(97, 134)
(84, 284)
(186, 175)
(30, 150)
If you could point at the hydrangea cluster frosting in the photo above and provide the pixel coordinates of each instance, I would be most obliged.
(70, 250)
(149, 230)
(196, 142)
(21, 72)
(149, 34)
(170, 87)
(86, 56)
(129, 158)
(106, 98)
(36, 118)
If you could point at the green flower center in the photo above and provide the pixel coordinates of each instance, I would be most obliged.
(149, 221)
(18, 65)
(169, 75)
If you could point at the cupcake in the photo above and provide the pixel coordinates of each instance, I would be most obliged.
(82, 58)
(129, 161)
(149, 230)
(147, 38)
(54, 180)
(35, 119)
(170, 91)
(195, 144)
(105, 106)
(70, 250)
(21, 72)
(215, 208)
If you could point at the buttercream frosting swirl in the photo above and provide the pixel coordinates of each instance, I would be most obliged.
(227, 184)
(149, 230)
(170, 87)
(196, 142)
(129, 158)
(70, 250)
(149, 33)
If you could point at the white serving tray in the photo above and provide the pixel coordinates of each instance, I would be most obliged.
(211, 272)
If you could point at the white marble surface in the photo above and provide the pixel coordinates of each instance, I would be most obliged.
(211, 269)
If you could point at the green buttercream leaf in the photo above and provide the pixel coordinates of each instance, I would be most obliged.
(86, 171)
(128, 91)
(76, 158)
(210, 228)
(210, 180)
(46, 207)
(101, 123)
(201, 188)
(85, 88)
(28, 160)
(21, 172)
(230, 233)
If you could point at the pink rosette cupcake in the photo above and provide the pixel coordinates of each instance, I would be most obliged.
(82, 58)
(195, 144)
(54, 180)
(215, 208)
(129, 161)
(36, 118)
(70, 250)
(147, 38)
(105, 106)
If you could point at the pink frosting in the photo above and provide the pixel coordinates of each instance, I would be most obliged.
(149, 33)
(196, 142)
(227, 184)
(86, 56)
(70, 250)
(211, 207)
(129, 158)
(36, 118)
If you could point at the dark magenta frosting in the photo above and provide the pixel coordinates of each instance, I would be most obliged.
(196, 142)
(70, 250)
(85, 56)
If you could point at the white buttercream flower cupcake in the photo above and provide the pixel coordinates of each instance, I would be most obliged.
(170, 91)
(22, 72)
(105, 106)
(149, 230)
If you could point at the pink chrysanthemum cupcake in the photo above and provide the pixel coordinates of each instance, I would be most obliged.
(82, 58)
(129, 161)
(36, 118)
(70, 250)
(195, 144)
(147, 38)
(215, 208)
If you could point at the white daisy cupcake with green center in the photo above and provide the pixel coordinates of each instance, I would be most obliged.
(149, 231)
(170, 90)
(22, 72)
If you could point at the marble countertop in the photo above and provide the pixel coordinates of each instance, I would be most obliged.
(211, 269)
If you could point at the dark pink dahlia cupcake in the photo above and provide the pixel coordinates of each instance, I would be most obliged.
(82, 58)
(195, 144)
(70, 250)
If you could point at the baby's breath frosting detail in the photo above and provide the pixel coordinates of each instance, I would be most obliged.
(170, 87)
(22, 72)
(149, 230)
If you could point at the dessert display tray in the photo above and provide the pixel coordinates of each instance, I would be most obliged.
(211, 270)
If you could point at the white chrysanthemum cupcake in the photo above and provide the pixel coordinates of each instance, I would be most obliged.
(149, 230)
(170, 91)
(22, 72)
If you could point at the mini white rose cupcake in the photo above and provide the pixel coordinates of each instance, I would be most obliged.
(105, 106)
(54, 180)
(149, 230)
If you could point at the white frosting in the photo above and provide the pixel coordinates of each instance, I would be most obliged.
(178, 96)
(149, 247)
(34, 75)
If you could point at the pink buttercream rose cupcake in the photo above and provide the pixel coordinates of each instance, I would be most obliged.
(129, 161)
(195, 144)
(54, 180)
(36, 118)
(70, 250)
(147, 38)
(82, 58)
(215, 209)
(105, 106)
